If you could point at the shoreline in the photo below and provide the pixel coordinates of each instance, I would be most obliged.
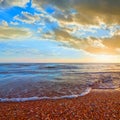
(35, 98)
(98, 104)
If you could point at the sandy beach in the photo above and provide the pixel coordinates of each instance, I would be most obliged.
(97, 105)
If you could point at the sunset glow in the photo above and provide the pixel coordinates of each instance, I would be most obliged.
(53, 31)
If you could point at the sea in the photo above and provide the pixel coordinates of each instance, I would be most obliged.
(36, 81)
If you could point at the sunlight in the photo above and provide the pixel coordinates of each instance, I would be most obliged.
(106, 58)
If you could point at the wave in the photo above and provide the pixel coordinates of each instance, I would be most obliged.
(87, 90)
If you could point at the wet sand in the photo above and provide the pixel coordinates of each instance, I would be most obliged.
(97, 105)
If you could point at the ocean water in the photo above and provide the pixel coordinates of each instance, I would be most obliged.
(34, 81)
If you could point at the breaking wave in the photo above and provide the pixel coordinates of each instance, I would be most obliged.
(87, 90)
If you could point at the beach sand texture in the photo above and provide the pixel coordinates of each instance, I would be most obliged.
(97, 105)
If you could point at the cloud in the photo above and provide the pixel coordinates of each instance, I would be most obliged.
(4, 23)
(102, 15)
(118, 50)
(90, 44)
(13, 33)
(103, 46)
(113, 42)
(14, 23)
(87, 12)
(70, 20)
(27, 18)
(20, 51)
(8, 3)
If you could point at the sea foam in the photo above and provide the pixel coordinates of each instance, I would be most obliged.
(45, 97)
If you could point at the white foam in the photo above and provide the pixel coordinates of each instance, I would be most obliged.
(86, 91)
(42, 98)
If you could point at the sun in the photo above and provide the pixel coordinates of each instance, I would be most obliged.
(106, 58)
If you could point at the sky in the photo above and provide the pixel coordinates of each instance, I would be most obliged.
(70, 31)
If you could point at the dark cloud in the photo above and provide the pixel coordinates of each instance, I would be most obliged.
(88, 11)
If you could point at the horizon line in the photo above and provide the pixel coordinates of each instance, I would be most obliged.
(58, 62)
